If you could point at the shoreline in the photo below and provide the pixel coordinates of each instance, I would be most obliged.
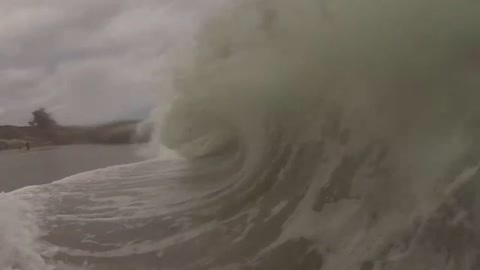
(118, 133)
(44, 165)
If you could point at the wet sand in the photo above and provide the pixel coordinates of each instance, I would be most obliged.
(21, 168)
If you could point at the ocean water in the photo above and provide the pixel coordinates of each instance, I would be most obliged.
(333, 135)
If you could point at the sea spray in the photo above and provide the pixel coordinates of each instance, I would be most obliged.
(20, 245)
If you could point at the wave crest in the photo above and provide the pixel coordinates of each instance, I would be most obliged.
(389, 68)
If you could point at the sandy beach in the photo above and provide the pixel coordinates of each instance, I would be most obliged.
(20, 168)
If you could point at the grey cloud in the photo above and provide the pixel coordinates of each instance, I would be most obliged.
(88, 61)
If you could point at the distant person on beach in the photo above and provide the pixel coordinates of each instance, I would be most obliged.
(27, 144)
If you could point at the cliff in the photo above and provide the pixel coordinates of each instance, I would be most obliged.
(113, 133)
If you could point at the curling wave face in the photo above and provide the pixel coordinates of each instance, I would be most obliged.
(318, 135)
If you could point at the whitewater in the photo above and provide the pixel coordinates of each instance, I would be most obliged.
(333, 135)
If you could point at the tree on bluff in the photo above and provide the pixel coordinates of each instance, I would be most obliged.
(42, 119)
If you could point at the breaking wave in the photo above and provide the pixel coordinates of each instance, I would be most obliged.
(21, 247)
(368, 109)
(317, 135)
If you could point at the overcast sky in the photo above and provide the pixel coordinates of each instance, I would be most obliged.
(88, 61)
